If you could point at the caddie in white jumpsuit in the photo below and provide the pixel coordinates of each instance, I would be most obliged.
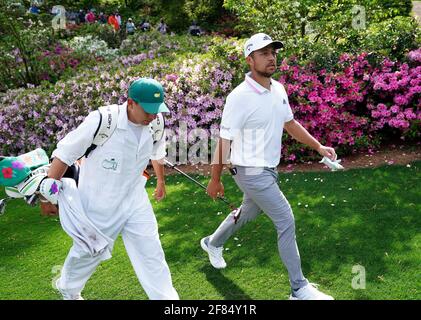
(112, 191)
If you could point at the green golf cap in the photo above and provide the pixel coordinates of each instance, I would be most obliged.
(149, 94)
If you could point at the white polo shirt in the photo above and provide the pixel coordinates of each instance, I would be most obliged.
(253, 119)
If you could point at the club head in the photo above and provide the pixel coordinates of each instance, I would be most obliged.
(32, 200)
(237, 214)
(2, 206)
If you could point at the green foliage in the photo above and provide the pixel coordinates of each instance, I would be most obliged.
(21, 41)
(392, 37)
(70, 4)
(204, 12)
(175, 16)
(320, 31)
(388, 9)
(102, 31)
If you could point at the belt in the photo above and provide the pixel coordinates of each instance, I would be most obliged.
(233, 169)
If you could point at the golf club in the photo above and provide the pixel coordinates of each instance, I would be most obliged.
(3, 205)
(231, 206)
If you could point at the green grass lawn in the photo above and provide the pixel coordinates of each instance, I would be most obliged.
(368, 217)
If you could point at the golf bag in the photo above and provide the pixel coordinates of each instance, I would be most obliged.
(22, 176)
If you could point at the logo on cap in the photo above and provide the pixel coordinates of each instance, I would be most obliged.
(249, 46)
(157, 95)
(266, 37)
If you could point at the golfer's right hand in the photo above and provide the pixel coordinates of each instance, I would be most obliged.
(215, 189)
(48, 209)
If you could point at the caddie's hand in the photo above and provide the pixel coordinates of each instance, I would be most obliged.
(160, 192)
(215, 189)
(48, 209)
(327, 152)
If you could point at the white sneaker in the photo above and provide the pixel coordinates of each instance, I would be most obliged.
(309, 292)
(66, 295)
(215, 253)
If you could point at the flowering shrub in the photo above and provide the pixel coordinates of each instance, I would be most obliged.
(196, 94)
(56, 60)
(39, 118)
(133, 60)
(327, 103)
(89, 45)
(395, 97)
(415, 56)
(348, 107)
(163, 45)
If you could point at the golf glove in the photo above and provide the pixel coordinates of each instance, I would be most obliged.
(333, 165)
(49, 189)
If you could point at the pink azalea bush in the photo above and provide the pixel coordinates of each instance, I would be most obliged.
(327, 103)
(55, 61)
(352, 106)
(394, 101)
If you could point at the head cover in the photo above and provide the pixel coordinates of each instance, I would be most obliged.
(149, 94)
(28, 186)
(12, 171)
(259, 41)
(157, 128)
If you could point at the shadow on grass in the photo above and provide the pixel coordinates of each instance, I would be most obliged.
(354, 217)
(225, 287)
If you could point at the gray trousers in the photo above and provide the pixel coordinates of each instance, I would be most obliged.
(262, 193)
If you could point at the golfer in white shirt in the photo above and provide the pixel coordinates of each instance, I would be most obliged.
(255, 114)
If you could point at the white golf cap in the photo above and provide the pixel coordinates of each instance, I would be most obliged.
(259, 41)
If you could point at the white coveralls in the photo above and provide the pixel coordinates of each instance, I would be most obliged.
(112, 191)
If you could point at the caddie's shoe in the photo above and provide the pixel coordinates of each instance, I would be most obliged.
(66, 295)
(215, 253)
(309, 292)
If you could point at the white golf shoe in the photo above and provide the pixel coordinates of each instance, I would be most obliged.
(309, 292)
(215, 254)
(66, 295)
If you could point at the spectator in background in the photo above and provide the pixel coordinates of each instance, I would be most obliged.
(102, 18)
(71, 17)
(90, 17)
(81, 16)
(130, 27)
(118, 17)
(162, 27)
(194, 29)
(112, 20)
(145, 25)
(34, 9)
